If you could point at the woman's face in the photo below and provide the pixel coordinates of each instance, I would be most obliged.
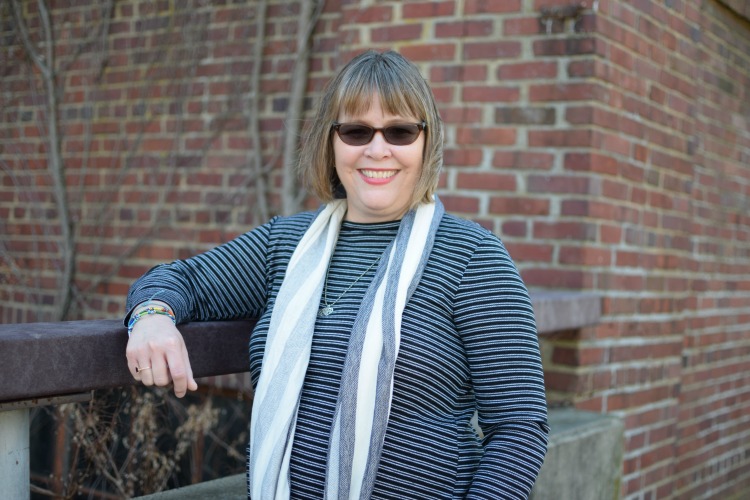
(379, 178)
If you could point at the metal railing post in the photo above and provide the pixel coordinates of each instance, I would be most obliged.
(14, 454)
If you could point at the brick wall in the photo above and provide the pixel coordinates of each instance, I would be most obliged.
(666, 217)
(606, 142)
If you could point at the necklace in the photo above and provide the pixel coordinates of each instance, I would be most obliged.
(327, 308)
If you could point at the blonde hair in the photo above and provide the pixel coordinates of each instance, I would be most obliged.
(401, 89)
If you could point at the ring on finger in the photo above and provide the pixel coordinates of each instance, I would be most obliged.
(138, 369)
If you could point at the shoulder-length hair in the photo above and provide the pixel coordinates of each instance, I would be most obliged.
(402, 91)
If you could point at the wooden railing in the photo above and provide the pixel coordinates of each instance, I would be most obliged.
(54, 363)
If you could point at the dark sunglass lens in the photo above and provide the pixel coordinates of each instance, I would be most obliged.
(355, 135)
(401, 135)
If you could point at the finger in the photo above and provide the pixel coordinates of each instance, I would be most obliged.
(179, 368)
(132, 360)
(159, 371)
(131, 368)
(192, 384)
(145, 371)
(135, 371)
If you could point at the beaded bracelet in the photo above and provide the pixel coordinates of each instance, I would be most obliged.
(149, 310)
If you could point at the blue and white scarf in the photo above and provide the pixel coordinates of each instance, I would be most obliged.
(366, 388)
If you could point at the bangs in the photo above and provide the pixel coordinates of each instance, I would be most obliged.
(396, 95)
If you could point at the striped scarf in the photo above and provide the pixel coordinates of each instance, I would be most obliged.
(366, 388)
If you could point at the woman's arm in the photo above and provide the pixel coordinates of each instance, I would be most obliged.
(495, 318)
(227, 282)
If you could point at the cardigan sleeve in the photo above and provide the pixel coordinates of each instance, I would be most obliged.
(495, 318)
(227, 282)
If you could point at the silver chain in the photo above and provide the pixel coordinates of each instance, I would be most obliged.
(327, 308)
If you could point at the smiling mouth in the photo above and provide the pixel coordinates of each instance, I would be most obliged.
(378, 174)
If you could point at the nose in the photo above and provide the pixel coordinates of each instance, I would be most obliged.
(378, 147)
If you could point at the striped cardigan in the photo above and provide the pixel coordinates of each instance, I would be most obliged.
(468, 342)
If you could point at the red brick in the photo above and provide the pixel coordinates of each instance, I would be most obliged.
(622, 281)
(460, 204)
(494, 136)
(530, 252)
(518, 205)
(491, 50)
(518, 26)
(397, 33)
(566, 92)
(163, 145)
(523, 160)
(367, 15)
(557, 184)
(552, 277)
(565, 355)
(591, 162)
(462, 157)
(514, 228)
(461, 114)
(443, 94)
(527, 70)
(430, 52)
(525, 115)
(595, 404)
(582, 69)
(428, 9)
(614, 143)
(491, 6)
(596, 209)
(103, 127)
(564, 47)
(578, 231)
(560, 138)
(458, 73)
(585, 256)
(489, 93)
(486, 181)
(561, 381)
(638, 398)
(463, 29)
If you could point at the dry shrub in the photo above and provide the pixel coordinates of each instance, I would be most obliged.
(134, 441)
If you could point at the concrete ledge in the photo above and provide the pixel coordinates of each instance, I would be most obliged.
(584, 462)
(741, 7)
(226, 488)
(584, 457)
(560, 310)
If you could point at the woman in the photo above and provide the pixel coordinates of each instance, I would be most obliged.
(384, 324)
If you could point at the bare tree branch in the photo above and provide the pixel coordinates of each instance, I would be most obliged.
(55, 163)
(254, 111)
(31, 50)
(308, 18)
(100, 34)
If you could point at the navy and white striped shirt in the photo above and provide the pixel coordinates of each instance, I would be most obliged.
(468, 342)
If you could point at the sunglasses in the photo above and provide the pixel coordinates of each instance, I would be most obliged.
(399, 134)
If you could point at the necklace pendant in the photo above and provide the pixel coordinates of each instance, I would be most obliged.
(325, 311)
